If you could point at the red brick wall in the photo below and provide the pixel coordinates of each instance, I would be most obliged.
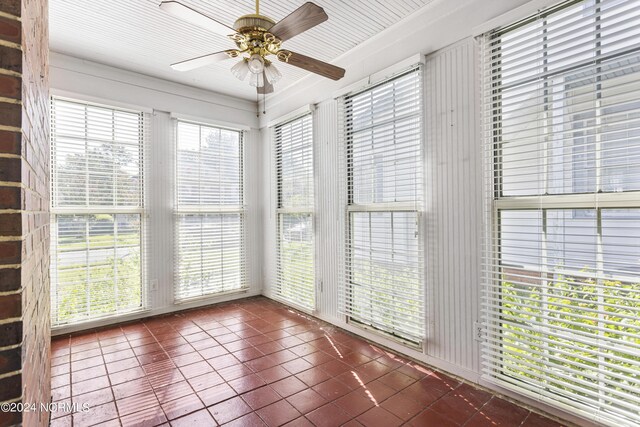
(24, 206)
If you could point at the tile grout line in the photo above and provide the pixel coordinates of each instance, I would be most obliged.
(311, 327)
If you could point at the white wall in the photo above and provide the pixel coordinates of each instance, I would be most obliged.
(454, 204)
(76, 78)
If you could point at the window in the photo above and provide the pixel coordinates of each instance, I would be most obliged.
(384, 277)
(562, 98)
(97, 208)
(295, 249)
(210, 243)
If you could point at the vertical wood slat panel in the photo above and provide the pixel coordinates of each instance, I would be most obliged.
(160, 192)
(254, 151)
(328, 211)
(268, 217)
(454, 205)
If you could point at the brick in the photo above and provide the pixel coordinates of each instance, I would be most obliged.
(10, 252)
(10, 86)
(10, 30)
(10, 142)
(10, 334)
(10, 169)
(10, 225)
(11, 59)
(10, 114)
(11, 305)
(10, 198)
(10, 418)
(31, 143)
(10, 360)
(10, 387)
(12, 7)
(9, 279)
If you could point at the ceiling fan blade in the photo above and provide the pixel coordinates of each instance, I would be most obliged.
(315, 66)
(267, 88)
(300, 20)
(188, 14)
(201, 61)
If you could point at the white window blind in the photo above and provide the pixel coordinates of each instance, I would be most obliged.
(97, 206)
(210, 240)
(562, 263)
(381, 130)
(295, 280)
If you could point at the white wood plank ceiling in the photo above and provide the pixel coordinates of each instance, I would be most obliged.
(136, 35)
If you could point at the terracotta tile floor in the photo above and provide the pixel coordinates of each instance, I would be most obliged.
(253, 363)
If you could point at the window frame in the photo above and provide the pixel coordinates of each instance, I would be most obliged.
(57, 210)
(210, 209)
(352, 208)
(281, 211)
(543, 202)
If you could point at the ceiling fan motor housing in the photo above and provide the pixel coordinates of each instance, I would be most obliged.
(251, 23)
(253, 35)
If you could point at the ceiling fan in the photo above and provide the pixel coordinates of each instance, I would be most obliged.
(257, 37)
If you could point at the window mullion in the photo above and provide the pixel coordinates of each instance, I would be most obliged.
(383, 207)
(545, 278)
(598, 105)
(547, 116)
(371, 307)
(97, 210)
(114, 183)
(115, 261)
(86, 158)
(601, 308)
(87, 263)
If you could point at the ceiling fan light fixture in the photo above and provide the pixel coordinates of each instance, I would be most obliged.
(241, 69)
(256, 80)
(256, 64)
(271, 73)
